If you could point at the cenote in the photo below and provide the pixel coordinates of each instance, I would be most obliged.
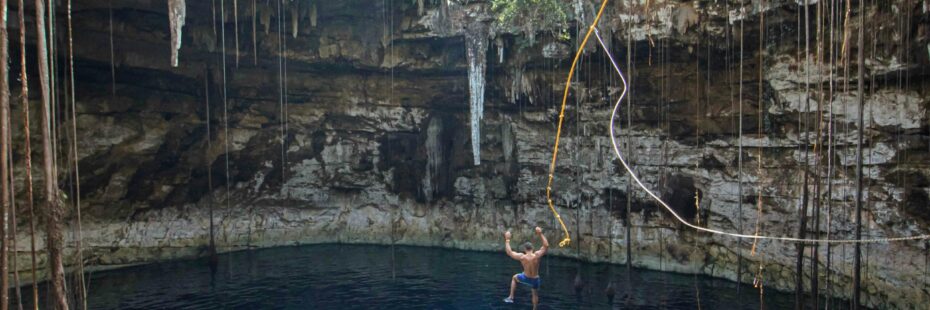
(708, 141)
(402, 277)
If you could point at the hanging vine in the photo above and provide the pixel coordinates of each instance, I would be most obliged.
(82, 285)
(4, 158)
(53, 208)
(112, 52)
(27, 150)
(225, 111)
(236, 28)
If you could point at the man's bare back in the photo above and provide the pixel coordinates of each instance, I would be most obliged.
(530, 261)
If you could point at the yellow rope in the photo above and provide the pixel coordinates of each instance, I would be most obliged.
(555, 149)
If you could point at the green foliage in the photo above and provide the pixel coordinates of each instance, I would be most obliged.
(533, 15)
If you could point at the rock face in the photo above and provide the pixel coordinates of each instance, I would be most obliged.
(349, 121)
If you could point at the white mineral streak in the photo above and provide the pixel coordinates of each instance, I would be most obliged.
(555, 50)
(265, 19)
(433, 157)
(658, 23)
(879, 66)
(500, 49)
(386, 37)
(507, 140)
(295, 22)
(521, 86)
(888, 108)
(176, 13)
(476, 45)
(685, 16)
(313, 14)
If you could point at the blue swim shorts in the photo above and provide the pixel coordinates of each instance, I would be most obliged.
(532, 282)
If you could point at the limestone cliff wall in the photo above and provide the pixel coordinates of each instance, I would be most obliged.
(377, 146)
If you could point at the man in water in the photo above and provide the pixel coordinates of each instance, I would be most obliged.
(530, 261)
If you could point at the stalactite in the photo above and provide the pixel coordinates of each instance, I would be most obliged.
(295, 20)
(53, 209)
(442, 18)
(508, 141)
(499, 42)
(521, 86)
(476, 45)
(313, 14)
(4, 156)
(177, 10)
(266, 20)
(434, 157)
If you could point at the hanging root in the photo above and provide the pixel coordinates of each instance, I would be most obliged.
(112, 53)
(254, 40)
(236, 28)
(82, 285)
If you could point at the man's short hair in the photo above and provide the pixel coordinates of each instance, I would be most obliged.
(528, 246)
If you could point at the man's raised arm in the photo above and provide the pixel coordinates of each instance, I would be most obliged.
(507, 249)
(545, 243)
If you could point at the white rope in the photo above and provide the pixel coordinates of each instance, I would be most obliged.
(662, 203)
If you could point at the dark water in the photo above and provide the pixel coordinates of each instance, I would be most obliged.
(363, 277)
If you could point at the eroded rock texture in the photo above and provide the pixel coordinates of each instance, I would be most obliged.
(377, 146)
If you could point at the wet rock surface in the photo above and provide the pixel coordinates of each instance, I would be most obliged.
(374, 142)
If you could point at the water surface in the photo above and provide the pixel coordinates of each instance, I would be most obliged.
(382, 277)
